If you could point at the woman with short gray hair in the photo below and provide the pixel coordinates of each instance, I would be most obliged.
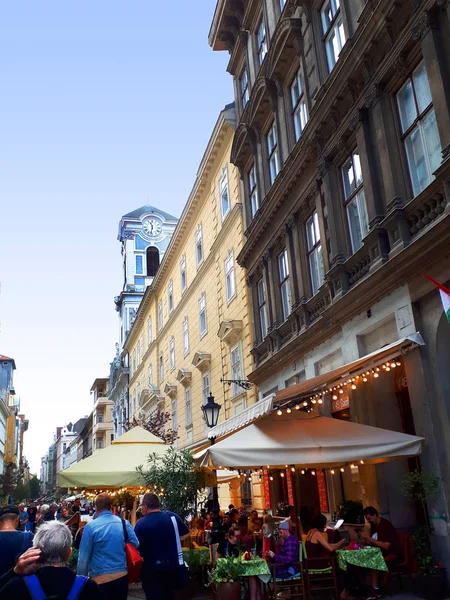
(53, 540)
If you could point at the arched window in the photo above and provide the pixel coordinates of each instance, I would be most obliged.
(152, 261)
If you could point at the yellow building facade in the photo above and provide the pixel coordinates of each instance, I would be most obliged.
(193, 326)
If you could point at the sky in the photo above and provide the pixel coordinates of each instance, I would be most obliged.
(104, 106)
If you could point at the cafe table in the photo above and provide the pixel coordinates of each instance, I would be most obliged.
(367, 558)
(255, 567)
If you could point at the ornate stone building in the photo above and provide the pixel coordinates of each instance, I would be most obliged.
(343, 148)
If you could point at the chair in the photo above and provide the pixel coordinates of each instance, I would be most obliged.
(320, 576)
(403, 568)
(287, 588)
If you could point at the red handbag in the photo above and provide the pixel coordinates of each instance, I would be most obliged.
(134, 559)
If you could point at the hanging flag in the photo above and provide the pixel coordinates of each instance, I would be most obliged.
(445, 296)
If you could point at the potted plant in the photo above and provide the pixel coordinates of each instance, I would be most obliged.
(226, 577)
(431, 577)
(352, 512)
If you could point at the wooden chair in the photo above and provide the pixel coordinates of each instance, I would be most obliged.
(288, 588)
(320, 577)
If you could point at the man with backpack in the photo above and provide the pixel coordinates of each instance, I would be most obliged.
(102, 550)
(52, 579)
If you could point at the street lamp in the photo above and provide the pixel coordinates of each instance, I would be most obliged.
(211, 412)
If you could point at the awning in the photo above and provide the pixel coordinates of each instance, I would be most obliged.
(225, 476)
(115, 465)
(335, 376)
(250, 414)
(305, 441)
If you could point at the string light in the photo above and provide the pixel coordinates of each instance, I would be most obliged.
(281, 474)
(361, 462)
(313, 472)
(297, 407)
(342, 470)
(332, 471)
(288, 411)
(320, 401)
(279, 412)
(302, 472)
(335, 397)
(341, 391)
(271, 478)
(293, 469)
(353, 386)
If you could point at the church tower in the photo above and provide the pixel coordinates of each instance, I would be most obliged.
(145, 234)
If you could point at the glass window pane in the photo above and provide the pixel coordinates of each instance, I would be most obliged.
(357, 169)
(416, 160)
(432, 141)
(357, 221)
(406, 105)
(422, 87)
(139, 265)
(348, 177)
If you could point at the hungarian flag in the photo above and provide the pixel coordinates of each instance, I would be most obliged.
(445, 296)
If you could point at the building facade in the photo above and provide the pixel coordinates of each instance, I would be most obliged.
(343, 149)
(102, 422)
(7, 426)
(192, 331)
(144, 234)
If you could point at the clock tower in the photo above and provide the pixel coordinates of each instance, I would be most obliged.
(145, 234)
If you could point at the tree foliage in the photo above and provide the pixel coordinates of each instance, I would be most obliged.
(173, 478)
(9, 479)
(35, 488)
(22, 492)
(157, 423)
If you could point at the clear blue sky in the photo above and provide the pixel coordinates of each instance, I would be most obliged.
(103, 104)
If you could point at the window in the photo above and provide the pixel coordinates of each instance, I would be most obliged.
(199, 245)
(134, 361)
(149, 331)
(272, 151)
(333, 31)
(134, 402)
(161, 368)
(139, 282)
(261, 42)
(139, 265)
(262, 307)
(152, 261)
(355, 202)
(419, 129)
(170, 296)
(230, 281)
(139, 394)
(243, 86)
(282, 4)
(185, 336)
(253, 191)
(138, 353)
(285, 285)
(172, 353)
(299, 113)
(174, 415)
(188, 406)
(202, 314)
(183, 273)
(236, 370)
(160, 314)
(150, 376)
(99, 443)
(223, 191)
(315, 257)
(206, 387)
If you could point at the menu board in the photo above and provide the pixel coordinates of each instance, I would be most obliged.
(290, 489)
(322, 487)
(266, 487)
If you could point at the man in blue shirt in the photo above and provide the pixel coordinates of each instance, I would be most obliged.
(102, 551)
(23, 517)
(158, 547)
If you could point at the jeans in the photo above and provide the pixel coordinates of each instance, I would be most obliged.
(115, 590)
(160, 585)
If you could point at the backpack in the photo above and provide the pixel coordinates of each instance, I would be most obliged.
(37, 593)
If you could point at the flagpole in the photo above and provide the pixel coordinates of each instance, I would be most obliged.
(437, 284)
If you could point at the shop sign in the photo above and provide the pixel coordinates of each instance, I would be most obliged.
(342, 402)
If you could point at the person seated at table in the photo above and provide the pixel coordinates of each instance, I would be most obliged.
(228, 546)
(234, 515)
(245, 537)
(270, 535)
(382, 535)
(316, 545)
(254, 523)
(286, 555)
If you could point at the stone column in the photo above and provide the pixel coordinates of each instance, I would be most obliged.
(268, 282)
(295, 253)
(335, 213)
(435, 47)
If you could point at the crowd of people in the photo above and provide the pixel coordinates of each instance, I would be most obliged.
(36, 544)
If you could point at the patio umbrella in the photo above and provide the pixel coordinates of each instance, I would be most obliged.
(298, 439)
(115, 465)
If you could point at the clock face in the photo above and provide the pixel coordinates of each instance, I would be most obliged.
(152, 227)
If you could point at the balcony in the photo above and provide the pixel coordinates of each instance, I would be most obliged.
(102, 401)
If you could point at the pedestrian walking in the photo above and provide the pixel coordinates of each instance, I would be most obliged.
(12, 542)
(23, 517)
(49, 576)
(102, 551)
(32, 513)
(157, 535)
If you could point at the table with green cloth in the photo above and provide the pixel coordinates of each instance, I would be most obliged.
(197, 557)
(257, 567)
(368, 558)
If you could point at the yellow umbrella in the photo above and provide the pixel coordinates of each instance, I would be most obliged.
(115, 466)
